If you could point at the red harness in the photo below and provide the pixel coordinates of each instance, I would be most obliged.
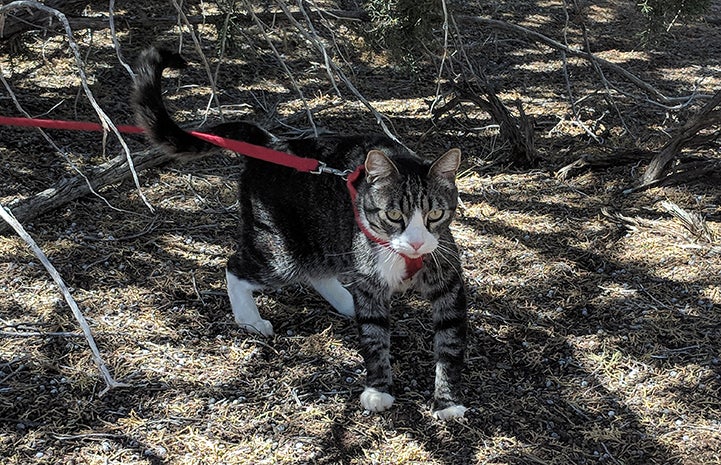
(306, 165)
(413, 265)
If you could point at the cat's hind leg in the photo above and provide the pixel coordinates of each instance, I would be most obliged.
(245, 311)
(338, 296)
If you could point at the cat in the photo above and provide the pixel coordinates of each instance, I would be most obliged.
(393, 235)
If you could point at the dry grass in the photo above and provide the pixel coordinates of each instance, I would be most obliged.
(591, 342)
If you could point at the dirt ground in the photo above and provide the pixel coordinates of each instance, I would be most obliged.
(592, 340)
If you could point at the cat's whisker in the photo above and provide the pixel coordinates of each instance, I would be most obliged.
(343, 254)
(439, 269)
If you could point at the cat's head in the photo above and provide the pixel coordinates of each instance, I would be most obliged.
(409, 204)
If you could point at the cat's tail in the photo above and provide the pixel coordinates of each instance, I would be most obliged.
(150, 111)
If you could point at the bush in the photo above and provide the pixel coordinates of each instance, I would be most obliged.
(661, 14)
(404, 28)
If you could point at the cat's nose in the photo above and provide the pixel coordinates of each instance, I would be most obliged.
(416, 245)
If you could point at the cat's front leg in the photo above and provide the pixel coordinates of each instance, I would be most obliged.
(338, 296)
(449, 344)
(373, 318)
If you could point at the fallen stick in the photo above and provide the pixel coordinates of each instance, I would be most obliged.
(69, 189)
(110, 383)
(706, 117)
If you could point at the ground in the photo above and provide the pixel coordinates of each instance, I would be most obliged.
(592, 340)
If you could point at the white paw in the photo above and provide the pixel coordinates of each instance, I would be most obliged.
(374, 400)
(449, 413)
(263, 327)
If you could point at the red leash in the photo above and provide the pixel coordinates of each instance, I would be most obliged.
(305, 165)
(66, 125)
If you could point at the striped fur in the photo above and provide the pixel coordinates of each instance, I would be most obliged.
(300, 228)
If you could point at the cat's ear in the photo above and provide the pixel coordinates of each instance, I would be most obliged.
(379, 166)
(446, 165)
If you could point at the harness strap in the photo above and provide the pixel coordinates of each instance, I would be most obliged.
(413, 265)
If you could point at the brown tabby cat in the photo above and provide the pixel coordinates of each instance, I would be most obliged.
(356, 252)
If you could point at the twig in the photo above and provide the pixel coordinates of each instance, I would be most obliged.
(380, 119)
(104, 118)
(569, 88)
(287, 70)
(538, 37)
(110, 383)
(323, 51)
(206, 65)
(444, 58)
(602, 78)
(116, 43)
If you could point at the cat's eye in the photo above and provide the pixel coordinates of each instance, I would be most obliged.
(394, 215)
(435, 215)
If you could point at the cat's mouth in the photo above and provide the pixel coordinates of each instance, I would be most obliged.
(412, 254)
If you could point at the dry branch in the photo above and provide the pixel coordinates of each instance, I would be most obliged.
(34, 20)
(517, 131)
(688, 136)
(538, 37)
(693, 222)
(110, 383)
(604, 160)
(14, 22)
(69, 189)
(707, 117)
(332, 67)
(689, 226)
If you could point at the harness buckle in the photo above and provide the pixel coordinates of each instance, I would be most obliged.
(323, 168)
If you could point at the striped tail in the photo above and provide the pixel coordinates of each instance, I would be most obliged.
(150, 111)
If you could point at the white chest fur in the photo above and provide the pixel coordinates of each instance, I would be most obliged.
(392, 268)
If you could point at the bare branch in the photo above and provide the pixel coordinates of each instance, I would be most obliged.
(315, 40)
(287, 70)
(110, 383)
(116, 43)
(706, 117)
(206, 65)
(104, 118)
(678, 102)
